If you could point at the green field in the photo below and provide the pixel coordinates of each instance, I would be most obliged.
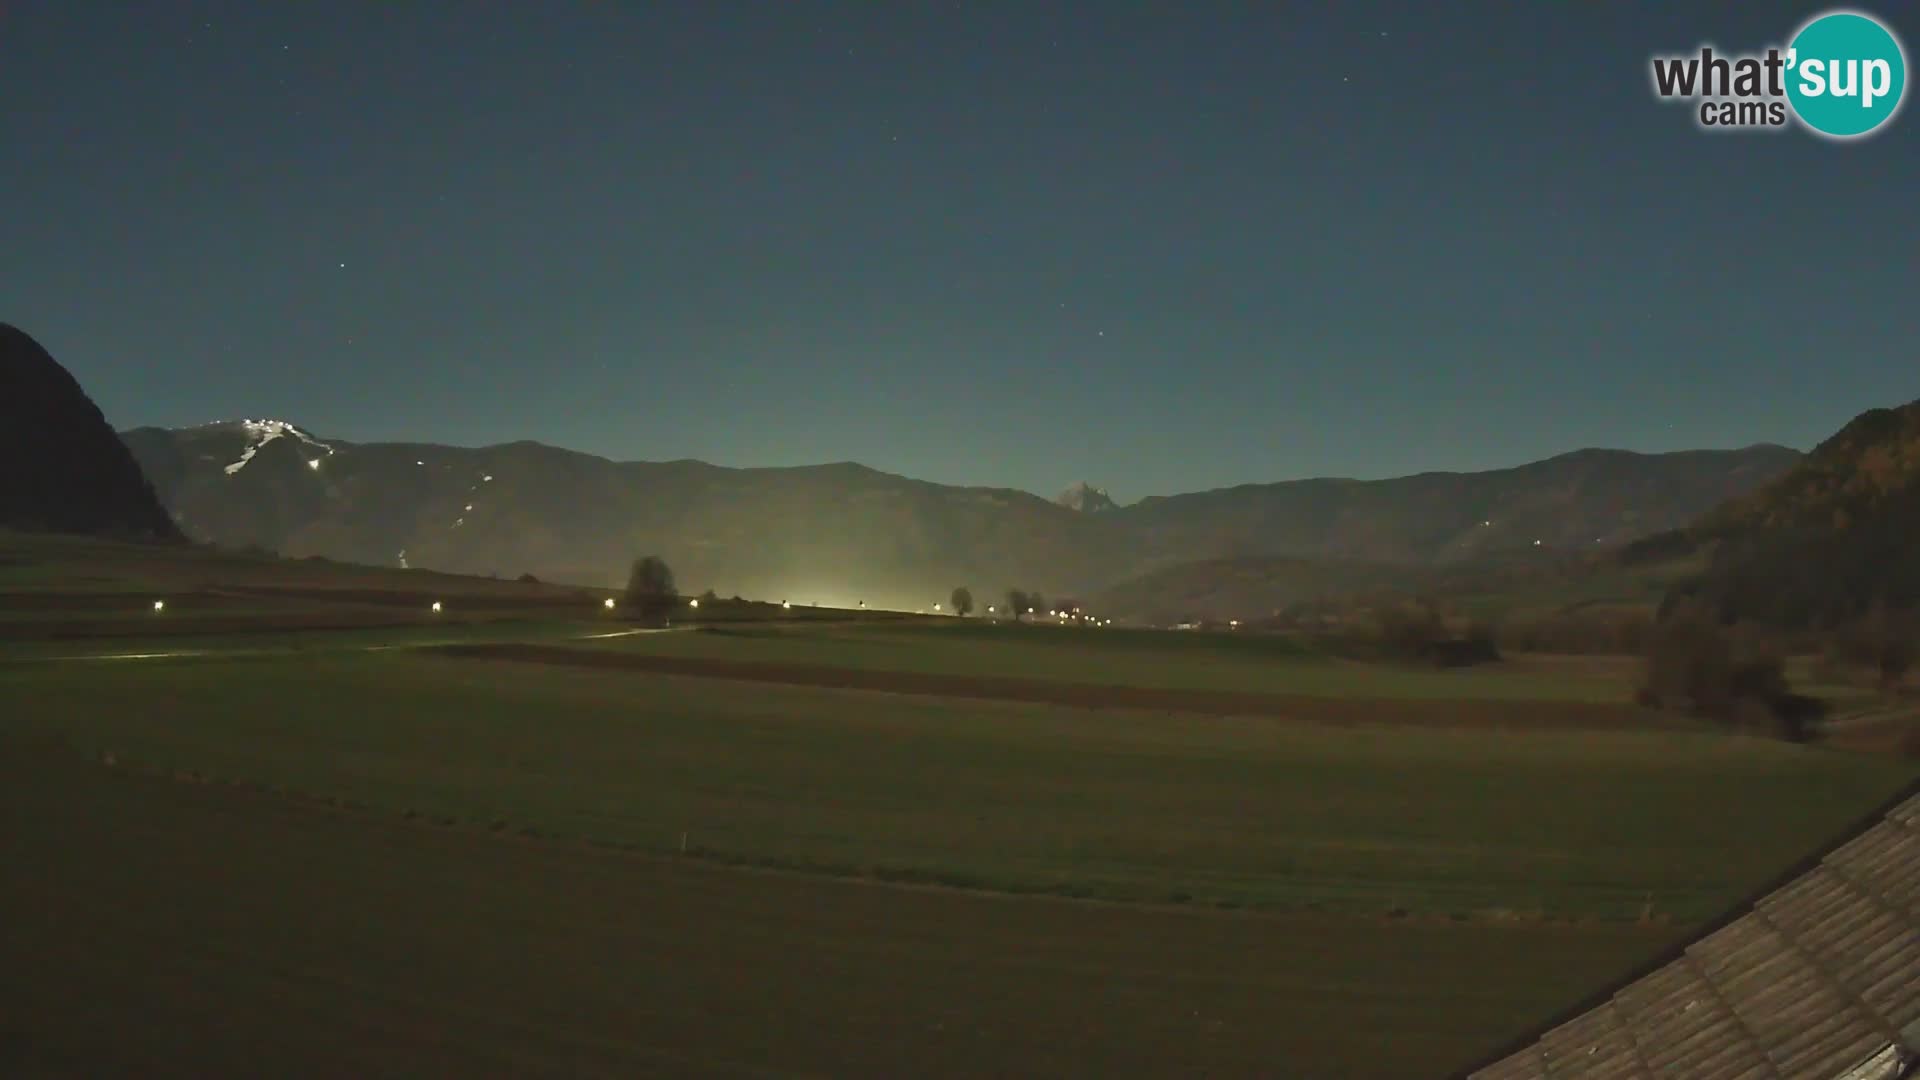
(192, 929)
(844, 846)
(1116, 803)
(1166, 659)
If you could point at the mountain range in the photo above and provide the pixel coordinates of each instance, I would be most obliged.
(1763, 533)
(844, 533)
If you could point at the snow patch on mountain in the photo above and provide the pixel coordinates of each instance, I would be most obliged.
(1086, 498)
(261, 432)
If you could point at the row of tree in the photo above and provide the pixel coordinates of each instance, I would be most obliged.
(1020, 603)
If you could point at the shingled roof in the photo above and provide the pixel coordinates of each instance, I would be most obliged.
(1818, 978)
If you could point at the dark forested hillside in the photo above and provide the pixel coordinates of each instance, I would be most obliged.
(62, 469)
(1835, 536)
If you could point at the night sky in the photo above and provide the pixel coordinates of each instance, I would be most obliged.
(1161, 248)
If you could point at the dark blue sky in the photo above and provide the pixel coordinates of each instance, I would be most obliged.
(1159, 247)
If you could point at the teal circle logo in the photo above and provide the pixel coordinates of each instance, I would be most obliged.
(1846, 74)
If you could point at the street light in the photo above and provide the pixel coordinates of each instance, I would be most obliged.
(159, 605)
(436, 605)
(693, 603)
(608, 602)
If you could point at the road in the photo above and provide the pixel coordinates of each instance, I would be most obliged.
(184, 654)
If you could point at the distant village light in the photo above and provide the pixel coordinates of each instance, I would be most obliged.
(609, 603)
(936, 607)
(693, 603)
(436, 605)
(159, 605)
(786, 603)
(314, 464)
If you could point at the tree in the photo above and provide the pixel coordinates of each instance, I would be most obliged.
(962, 601)
(1737, 677)
(709, 597)
(650, 590)
(1018, 602)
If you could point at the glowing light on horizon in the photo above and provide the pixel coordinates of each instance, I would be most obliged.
(609, 603)
(159, 605)
(436, 606)
(314, 464)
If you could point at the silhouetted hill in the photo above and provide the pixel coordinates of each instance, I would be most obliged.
(62, 469)
(1572, 501)
(1535, 527)
(1826, 540)
(842, 533)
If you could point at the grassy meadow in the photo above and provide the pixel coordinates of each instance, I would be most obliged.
(313, 838)
(1112, 803)
(1159, 659)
